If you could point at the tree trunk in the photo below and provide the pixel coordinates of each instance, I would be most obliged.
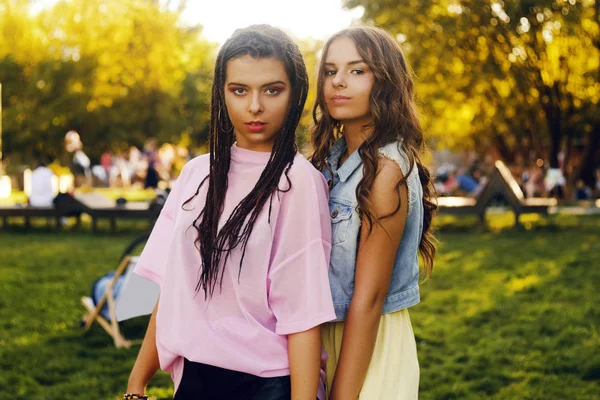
(505, 152)
(555, 139)
(585, 170)
(553, 114)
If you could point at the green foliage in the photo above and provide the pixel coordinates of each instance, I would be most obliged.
(520, 75)
(310, 50)
(117, 71)
(506, 315)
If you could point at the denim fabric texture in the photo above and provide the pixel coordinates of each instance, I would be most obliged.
(346, 223)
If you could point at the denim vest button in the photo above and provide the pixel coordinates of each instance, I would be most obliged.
(334, 214)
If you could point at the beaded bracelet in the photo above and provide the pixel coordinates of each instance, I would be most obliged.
(133, 396)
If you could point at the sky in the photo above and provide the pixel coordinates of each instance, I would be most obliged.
(302, 18)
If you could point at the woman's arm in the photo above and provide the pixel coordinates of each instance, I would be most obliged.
(146, 363)
(304, 351)
(374, 266)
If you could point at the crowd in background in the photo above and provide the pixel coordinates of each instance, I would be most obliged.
(145, 167)
(535, 178)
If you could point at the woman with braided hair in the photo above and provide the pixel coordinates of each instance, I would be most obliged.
(241, 248)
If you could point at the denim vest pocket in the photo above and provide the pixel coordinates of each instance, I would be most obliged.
(340, 220)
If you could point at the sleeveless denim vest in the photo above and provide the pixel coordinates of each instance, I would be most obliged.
(346, 222)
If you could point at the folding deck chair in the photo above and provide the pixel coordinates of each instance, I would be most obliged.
(500, 183)
(136, 296)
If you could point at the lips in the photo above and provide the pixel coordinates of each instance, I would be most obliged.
(339, 99)
(256, 126)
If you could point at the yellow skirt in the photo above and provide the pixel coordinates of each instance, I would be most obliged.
(393, 373)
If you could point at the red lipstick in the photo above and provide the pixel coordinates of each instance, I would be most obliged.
(256, 126)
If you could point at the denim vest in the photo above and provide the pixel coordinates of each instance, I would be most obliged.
(346, 222)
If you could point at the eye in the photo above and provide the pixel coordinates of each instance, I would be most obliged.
(239, 91)
(357, 72)
(330, 72)
(273, 91)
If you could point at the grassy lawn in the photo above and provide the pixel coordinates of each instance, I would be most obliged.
(506, 315)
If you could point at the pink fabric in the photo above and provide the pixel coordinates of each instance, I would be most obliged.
(283, 286)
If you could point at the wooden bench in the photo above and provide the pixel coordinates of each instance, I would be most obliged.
(64, 207)
(26, 212)
(500, 183)
(99, 207)
(95, 205)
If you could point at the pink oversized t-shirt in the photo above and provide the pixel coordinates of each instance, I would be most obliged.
(283, 286)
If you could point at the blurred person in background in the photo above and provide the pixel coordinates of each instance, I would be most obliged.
(42, 192)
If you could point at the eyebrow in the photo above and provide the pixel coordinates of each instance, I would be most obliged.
(350, 63)
(265, 85)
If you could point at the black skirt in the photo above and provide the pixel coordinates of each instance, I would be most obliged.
(206, 382)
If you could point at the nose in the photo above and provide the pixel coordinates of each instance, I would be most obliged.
(339, 80)
(255, 104)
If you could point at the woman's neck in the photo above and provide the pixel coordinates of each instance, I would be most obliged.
(354, 134)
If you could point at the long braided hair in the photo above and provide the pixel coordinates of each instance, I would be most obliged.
(215, 246)
(395, 119)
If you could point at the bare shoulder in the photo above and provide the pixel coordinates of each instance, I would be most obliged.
(383, 196)
(388, 175)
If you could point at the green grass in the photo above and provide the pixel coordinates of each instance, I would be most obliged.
(513, 314)
(507, 314)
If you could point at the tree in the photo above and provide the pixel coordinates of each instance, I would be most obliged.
(310, 49)
(118, 71)
(522, 75)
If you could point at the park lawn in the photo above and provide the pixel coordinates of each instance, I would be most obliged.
(507, 314)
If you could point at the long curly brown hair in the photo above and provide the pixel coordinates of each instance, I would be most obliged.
(394, 119)
(215, 246)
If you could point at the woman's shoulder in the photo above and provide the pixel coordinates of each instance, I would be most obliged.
(395, 152)
(197, 164)
(303, 178)
(303, 171)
